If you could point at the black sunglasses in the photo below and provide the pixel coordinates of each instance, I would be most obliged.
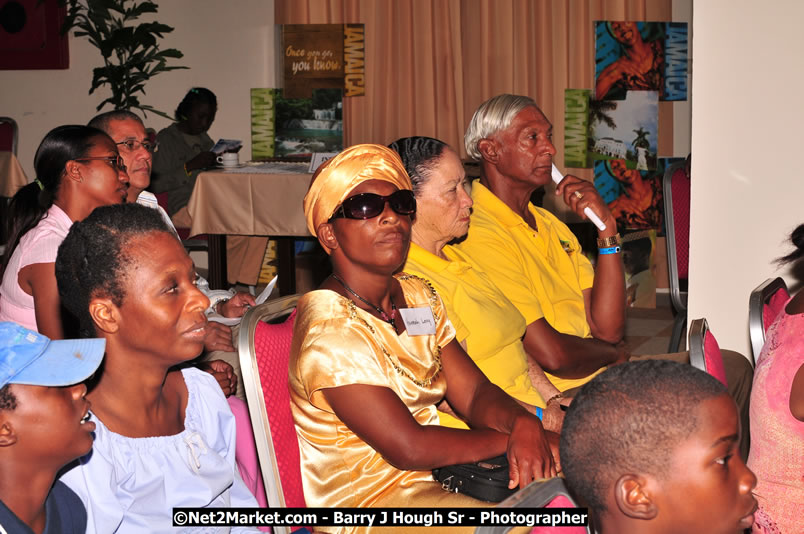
(370, 205)
(115, 161)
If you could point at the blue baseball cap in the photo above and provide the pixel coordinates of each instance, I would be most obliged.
(27, 357)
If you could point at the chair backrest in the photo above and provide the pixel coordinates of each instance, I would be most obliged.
(704, 350)
(764, 306)
(8, 135)
(548, 493)
(264, 351)
(676, 190)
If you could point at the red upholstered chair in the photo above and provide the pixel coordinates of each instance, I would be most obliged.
(264, 350)
(548, 493)
(764, 305)
(704, 350)
(8, 135)
(676, 188)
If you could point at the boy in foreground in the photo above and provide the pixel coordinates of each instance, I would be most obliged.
(652, 447)
(43, 426)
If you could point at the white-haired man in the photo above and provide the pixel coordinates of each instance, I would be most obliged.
(575, 312)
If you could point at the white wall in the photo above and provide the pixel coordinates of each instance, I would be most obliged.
(746, 141)
(229, 47)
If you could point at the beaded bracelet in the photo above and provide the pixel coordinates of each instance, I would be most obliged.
(608, 250)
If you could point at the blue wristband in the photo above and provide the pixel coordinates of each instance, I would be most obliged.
(608, 250)
(539, 412)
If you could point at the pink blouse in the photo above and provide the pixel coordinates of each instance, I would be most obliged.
(38, 245)
(777, 438)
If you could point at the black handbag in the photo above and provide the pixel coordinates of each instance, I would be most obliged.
(486, 480)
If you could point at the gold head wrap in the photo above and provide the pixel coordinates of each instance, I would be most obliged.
(335, 179)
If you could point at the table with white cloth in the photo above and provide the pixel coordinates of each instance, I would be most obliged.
(12, 177)
(253, 200)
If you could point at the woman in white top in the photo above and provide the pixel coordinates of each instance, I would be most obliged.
(78, 169)
(165, 437)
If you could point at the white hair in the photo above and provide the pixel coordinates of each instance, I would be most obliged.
(493, 115)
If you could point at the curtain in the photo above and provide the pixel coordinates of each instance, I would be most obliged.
(430, 63)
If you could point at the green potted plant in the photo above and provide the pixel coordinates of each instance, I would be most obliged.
(130, 50)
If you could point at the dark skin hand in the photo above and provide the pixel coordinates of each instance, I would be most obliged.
(218, 337)
(202, 160)
(223, 373)
(237, 305)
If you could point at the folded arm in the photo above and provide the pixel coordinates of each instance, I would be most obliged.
(566, 355)
(500, 424)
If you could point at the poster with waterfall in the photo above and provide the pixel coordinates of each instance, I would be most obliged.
(307, 125)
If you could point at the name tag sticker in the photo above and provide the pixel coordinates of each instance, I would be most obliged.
(418, 321)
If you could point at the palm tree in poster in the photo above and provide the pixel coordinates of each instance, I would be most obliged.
(598, 112)
(641, 140)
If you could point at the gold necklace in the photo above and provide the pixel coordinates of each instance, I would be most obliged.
(423, 383)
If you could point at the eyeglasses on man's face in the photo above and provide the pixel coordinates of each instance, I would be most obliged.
(115, 161)
(134, 144)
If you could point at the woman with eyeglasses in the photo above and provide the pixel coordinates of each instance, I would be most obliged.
(373, 352)
(487, 324)
(78, 169)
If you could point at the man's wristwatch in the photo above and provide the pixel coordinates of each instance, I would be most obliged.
(611, 241)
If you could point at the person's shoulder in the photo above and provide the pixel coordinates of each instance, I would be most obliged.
(199, 383)
(45, 238)
(170, 131)
(146, 198)
(413, 284)
(419, 291)
(321, 305)
(65, 511)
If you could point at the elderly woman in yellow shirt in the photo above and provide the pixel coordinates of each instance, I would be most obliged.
(487, 324)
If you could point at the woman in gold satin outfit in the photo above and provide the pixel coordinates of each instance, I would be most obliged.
(373, 353)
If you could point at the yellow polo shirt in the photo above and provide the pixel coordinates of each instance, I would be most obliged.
(542, 273)
(488, 322)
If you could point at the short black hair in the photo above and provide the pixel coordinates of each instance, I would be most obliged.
(195, 96)
(8, 401)
(102, 120)
(94, 258)
(628, 419)
(419, 155)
